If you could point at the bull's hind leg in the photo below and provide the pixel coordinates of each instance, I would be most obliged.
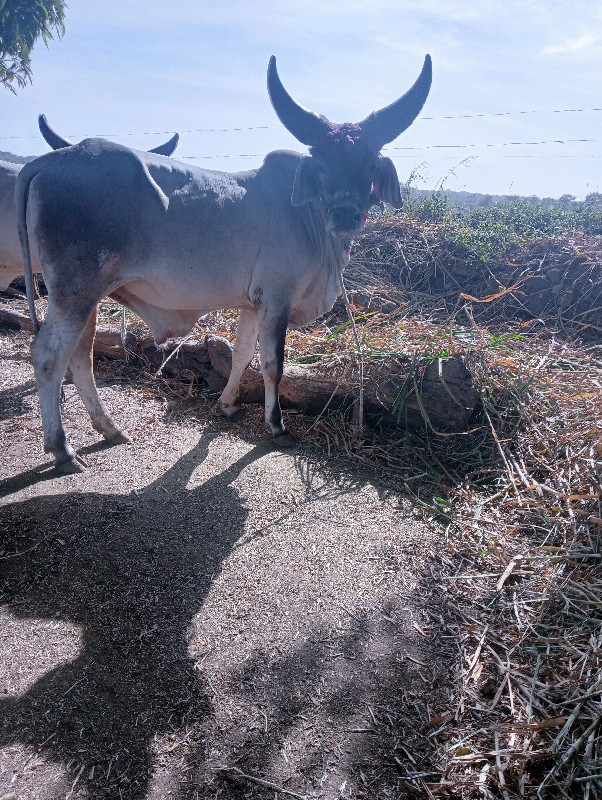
(80, 366)
(50, 352)
(272, 334)
(242, 354)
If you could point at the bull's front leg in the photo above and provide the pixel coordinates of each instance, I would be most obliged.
(272, 333)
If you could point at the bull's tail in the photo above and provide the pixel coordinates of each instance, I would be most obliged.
(24, 179)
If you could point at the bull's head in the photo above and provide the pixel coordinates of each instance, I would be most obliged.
(345, 171)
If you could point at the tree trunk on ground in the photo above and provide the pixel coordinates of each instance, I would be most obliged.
(437, 393)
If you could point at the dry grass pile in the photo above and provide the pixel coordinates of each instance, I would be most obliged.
(529, 599)
(438, 264)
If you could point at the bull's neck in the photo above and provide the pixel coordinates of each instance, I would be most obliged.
(332, 251)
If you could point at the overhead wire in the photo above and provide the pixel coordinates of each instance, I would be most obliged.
(439, 147)
(273, 127)
(398, 154)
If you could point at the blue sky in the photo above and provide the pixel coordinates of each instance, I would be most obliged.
(134, 68)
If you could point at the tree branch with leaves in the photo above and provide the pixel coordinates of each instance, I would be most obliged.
(22, 22)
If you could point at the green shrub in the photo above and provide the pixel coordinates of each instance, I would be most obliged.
(485, 233)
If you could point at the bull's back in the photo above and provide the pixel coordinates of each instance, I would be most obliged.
(182, 238)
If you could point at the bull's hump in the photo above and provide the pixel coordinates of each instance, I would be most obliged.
(280, 165)
(284, 158)
(95, 146)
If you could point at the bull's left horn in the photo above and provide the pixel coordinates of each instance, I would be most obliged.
(306, 126)
(381, 127)
(53, 139)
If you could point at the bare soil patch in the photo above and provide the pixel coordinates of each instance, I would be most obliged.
(199, 605)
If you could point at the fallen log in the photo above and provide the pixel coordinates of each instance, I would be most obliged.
(436, 393)
(14, 320)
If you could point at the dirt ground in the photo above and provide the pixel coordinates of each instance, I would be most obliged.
(200, 612)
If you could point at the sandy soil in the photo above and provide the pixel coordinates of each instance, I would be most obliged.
(199, 605)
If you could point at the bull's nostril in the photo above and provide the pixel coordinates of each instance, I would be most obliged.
(346, 217)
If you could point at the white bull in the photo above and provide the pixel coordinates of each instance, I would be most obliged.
(11, 260)
(172, 242)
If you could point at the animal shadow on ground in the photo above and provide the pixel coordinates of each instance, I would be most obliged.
(131, 571)
(344, 709)
(13, 400)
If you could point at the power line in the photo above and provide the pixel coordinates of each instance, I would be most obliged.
(511, 113)
(151, 133)
(494, 144)
(435, 147)
(557, 155)
(274, 127)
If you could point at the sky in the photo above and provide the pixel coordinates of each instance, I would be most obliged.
(139, 70)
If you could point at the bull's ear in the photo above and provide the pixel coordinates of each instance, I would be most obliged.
(307, 184)
(386, 183)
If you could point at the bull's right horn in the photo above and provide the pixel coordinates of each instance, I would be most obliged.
(167, 148)
(306, 126)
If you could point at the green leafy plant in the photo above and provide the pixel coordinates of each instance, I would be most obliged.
(22, 22)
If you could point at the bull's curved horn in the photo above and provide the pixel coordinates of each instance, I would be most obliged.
(167, 148)
(381, 127)
(306, 126)
(53, 139)
(58, 142)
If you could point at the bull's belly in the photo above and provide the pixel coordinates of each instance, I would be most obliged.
(195, 295)
(11, 266)
(7, 276)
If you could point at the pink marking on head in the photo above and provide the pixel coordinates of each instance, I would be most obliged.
(345, 135)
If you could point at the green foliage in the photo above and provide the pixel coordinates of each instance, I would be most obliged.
(435, 208)
(22, 22)
(484, 233)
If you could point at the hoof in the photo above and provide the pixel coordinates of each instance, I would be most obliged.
(229, 412)
(120, 437)
(284, 439)
(72, 465)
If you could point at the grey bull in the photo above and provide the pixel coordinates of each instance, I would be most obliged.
(172, 242)
(11, 260)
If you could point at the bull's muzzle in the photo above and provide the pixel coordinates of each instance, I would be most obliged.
(344, 217)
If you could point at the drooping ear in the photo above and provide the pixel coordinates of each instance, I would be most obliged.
(307, 184)
(386, 183)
